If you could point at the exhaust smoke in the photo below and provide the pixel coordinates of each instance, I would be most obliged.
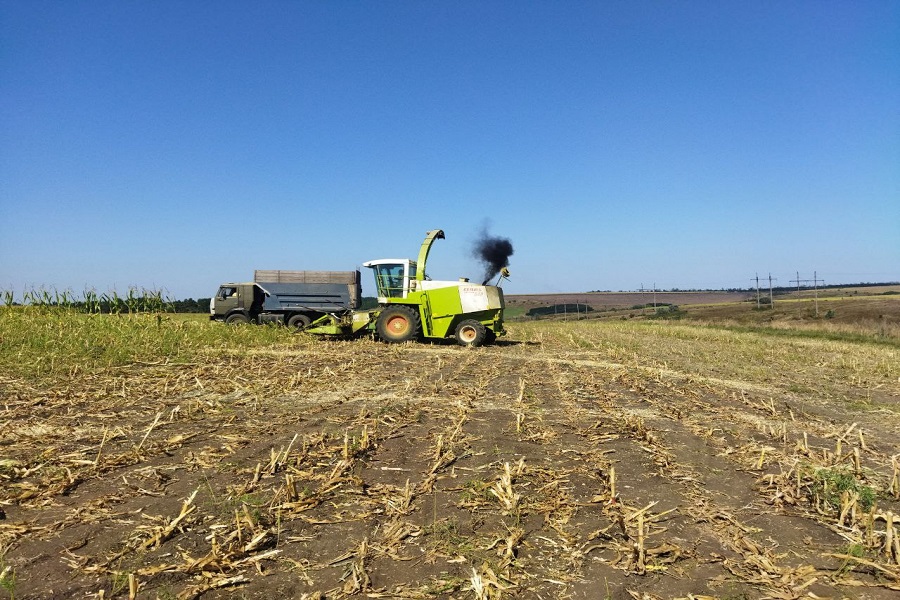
(493, 252)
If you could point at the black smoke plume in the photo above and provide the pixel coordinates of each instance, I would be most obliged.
(493, 252)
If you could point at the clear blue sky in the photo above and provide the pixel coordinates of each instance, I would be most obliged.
(176, 145)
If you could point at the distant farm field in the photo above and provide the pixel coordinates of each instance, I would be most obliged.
(161, 456)
(871, 308)
(607, 300)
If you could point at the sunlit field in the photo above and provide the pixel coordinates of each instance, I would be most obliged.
(154, 455)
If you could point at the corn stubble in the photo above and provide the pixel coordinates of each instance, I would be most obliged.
(654, 457)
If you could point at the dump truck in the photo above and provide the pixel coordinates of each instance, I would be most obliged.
(412, 306)
(293, 298)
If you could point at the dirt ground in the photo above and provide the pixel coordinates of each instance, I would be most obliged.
(365, 470)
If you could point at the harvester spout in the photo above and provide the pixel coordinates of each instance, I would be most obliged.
(504, 274)
(434, 234)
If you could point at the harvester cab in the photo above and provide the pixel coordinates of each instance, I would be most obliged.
(395, 278)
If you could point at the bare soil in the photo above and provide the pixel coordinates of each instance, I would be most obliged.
(358, 469)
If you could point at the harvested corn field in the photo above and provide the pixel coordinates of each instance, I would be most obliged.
(571, 460)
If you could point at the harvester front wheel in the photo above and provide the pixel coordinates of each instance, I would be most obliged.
(299, 321)
(470, 333)
(398, 324)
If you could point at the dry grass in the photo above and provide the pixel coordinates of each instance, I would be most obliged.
(851, 370)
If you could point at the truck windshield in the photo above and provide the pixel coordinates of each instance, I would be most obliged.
(389, 279)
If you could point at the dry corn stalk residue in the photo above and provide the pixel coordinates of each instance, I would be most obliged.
(571, 460)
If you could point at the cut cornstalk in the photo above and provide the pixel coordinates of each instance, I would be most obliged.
(152, 427)
(612, 484)
(100, 450)
(894, 488)
(889, 538)
(641, 551)
(165, 532)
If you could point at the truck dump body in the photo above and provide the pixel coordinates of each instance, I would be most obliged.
(320, 296)
(319, 289)
(316, 289)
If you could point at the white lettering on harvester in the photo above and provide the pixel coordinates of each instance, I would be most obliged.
(473, 298)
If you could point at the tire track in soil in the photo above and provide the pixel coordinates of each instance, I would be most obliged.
(647, 473)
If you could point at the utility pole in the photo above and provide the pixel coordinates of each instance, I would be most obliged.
(757, 291)
(798, 281)
(771, 298)
(816, 281)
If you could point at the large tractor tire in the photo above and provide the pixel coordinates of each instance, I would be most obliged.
(299, 322)
(470, 333)
(397, 324)
(237, 319)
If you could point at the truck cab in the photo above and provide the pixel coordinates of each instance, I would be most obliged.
(235, 302)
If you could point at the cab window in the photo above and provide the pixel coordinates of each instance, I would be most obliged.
(389, 280)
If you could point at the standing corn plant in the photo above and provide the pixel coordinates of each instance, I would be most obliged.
(91, 301)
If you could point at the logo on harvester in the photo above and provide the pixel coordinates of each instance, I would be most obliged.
(473, 298)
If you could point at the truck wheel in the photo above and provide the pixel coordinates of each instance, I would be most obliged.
(299, 321)
(470, 333)
(398, 324)
(237, 319)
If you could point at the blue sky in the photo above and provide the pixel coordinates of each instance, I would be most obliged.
(176, 145)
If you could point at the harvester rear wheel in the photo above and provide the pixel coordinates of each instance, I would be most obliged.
(470, 333)
(398, 324)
